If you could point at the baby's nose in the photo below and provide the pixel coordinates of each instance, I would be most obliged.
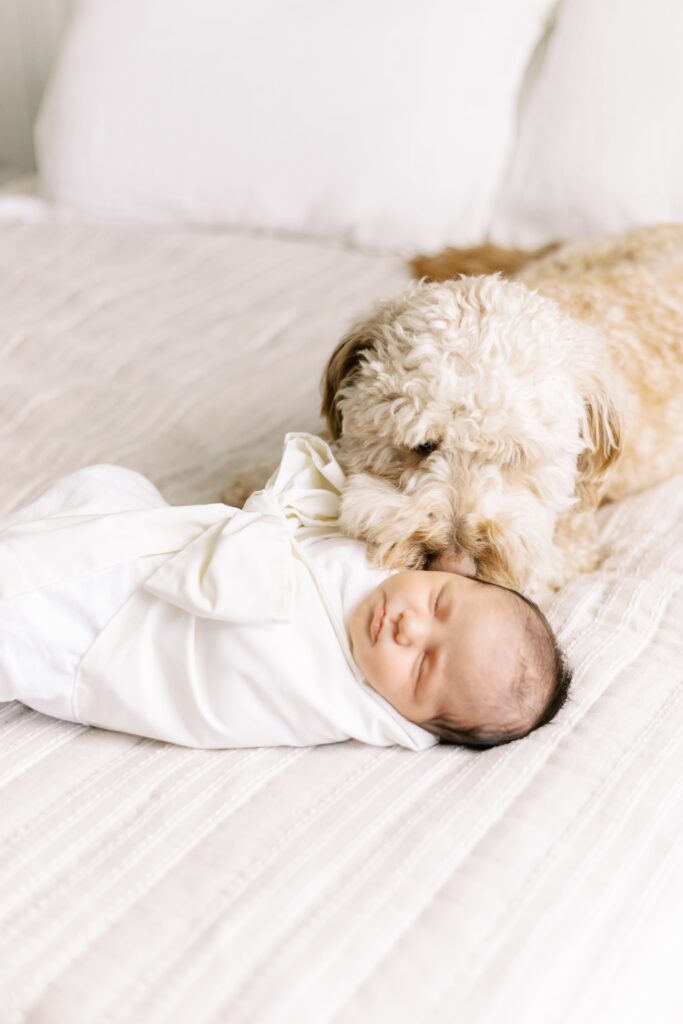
(409, 628)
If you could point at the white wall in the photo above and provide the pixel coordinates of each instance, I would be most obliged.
(30, 33)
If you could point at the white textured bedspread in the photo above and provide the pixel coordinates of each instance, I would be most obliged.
(538, 883)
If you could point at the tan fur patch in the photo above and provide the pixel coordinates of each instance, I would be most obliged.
(480, 259)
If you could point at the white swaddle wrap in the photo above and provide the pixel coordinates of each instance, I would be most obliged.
(203, 625)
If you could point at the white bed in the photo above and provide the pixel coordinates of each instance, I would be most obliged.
(540, 882)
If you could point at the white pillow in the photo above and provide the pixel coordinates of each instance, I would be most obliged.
(600, 146)
(384, 123)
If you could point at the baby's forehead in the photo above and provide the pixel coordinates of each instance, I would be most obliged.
(495, 622)
(499, 675)
(506, 600)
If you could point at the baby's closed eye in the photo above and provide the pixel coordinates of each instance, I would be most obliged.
(425, 667)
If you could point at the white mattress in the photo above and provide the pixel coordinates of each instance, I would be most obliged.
(539, 882)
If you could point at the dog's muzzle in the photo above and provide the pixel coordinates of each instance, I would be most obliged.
(461, 563)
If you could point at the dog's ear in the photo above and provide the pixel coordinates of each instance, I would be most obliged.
(340, 371)
(602, 434)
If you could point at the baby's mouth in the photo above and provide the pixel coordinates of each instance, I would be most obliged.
(377, 619)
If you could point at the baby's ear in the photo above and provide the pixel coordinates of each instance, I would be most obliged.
(602, 433)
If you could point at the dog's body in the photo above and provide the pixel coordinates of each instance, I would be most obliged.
(630, 288)
(485, 419)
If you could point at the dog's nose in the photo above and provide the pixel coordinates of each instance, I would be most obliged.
(463, 564)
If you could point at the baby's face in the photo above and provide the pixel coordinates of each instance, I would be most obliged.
(435, 643)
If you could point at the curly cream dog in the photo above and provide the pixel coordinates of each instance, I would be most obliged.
(484, 419)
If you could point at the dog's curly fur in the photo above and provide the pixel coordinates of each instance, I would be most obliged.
(489, 417)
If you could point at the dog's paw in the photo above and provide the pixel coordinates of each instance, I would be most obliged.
(577, 547)
(404, 555)
(245, 483)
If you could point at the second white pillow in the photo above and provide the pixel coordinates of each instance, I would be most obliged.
(600, 145)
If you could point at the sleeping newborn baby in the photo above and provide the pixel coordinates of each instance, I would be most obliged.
(217, 627)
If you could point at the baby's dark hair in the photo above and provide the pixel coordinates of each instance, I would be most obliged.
(548, 661)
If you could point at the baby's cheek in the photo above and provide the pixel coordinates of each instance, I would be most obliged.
(391, 670)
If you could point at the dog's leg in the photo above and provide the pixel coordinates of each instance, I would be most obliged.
(481, 259)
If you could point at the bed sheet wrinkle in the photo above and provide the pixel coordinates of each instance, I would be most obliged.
(376, 905)
(188, 955)
(306, 912)
(14, 712)
(19, 272)
(33, 753)
(63, 858)
(644, 900)
(601, 930)
(533, 942)
(322, 881)
(300, 910)
(52, 822)
(65, 950)
(52, 881)
(627, 881)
